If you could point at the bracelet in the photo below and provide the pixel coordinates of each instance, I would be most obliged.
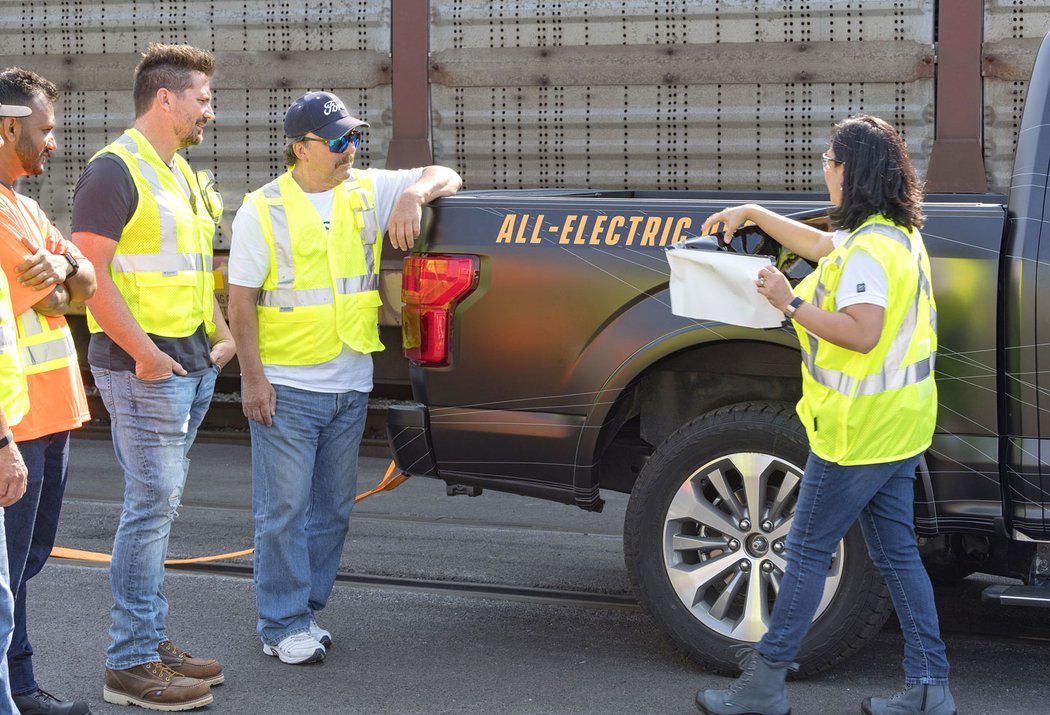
(6, 439)
(790, 308)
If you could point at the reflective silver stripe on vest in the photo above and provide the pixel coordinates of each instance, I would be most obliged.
(8, 339)
(282, 237)
(369, 226)
(832, 379)
(31, 323)
(57, 349)
(896, 378)
(893, 374)
(289, 298)
(169, 263)
(357, 284)
(162, 197)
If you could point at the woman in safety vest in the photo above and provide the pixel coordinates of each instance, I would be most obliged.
(866, 321)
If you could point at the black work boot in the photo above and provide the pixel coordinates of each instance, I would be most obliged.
(41, 702)
(759, 690)
(913, 700)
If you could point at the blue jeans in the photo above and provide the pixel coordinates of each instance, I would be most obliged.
(831, 498)
(7, 625)
(31, 525)
(304, 479)
(153, 426)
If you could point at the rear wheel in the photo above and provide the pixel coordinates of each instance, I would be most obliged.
(705, 540)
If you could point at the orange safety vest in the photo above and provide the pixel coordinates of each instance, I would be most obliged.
(57, 402)
(56, 390)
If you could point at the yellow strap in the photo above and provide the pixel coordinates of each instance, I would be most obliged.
(391, 480)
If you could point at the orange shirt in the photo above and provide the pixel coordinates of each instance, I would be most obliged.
(56, 398)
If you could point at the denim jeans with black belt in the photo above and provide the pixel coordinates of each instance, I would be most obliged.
(153, 426)
(831, 498)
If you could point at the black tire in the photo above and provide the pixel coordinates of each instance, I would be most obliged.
(722, 453)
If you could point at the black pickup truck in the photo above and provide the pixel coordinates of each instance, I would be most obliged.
(545, 361)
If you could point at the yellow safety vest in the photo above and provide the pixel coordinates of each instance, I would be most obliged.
(44, 347)
(163, 260)
(880, 406)
(14, 393)
(322, 290)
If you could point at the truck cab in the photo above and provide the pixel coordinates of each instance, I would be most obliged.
(546, 362)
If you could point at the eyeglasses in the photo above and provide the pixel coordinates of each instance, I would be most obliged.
(210, 194)
(338, 146)
(825, 160)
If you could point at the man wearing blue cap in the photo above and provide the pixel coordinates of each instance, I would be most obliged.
(304, 302)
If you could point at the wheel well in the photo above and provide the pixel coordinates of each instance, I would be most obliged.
(685, 385)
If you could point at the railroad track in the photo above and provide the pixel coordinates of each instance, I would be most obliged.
(548, 596)
(508, 592)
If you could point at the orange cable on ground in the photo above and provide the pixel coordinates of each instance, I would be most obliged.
(391, 480)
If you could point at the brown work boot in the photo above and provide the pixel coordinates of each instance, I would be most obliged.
(207, 669)
(155, 686)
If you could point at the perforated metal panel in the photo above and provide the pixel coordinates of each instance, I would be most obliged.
(575, 93)
(540, 93)
(269, 53)
(1012, 32)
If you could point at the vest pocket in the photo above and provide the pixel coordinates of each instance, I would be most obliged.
(294, 337)
(169, 303)
(360, 325)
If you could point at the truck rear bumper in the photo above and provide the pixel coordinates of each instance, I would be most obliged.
(408, 431)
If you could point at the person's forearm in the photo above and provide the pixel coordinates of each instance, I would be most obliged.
(797, 237)
(436, 181)
(13, 472)
(222, 330)
(858, 330)
(55, 303)
(83, 285)
(244, 326)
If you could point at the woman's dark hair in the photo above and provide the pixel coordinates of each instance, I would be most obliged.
(878, 177)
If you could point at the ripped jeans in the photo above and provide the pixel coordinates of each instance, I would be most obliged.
(153, 427)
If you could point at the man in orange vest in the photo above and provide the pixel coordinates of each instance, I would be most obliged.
(45, 273)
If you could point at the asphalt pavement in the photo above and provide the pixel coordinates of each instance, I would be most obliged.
(408, 648)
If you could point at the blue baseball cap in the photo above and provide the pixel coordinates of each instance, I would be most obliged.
(322, 113)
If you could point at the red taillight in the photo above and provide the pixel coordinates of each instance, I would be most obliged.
(430, 288)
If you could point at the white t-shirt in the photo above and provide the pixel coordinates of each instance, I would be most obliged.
(250, 264)
(862, 281)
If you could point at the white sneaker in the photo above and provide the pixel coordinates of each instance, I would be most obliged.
(320, 634)
(297, 649)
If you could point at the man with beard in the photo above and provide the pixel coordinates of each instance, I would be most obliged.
(304, 301)
(158, 341)
(45, 272)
